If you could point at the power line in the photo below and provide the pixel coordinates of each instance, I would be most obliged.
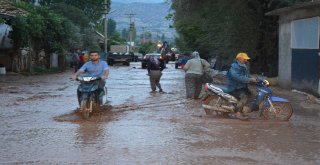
(130, 15)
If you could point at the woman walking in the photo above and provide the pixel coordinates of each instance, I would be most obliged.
(194, 70)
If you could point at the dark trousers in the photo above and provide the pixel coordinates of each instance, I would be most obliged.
(245, 97)
(154, 77)
(193, 85)
(76, 66)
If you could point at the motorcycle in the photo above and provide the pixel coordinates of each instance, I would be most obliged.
(270, 107)
(90, 97)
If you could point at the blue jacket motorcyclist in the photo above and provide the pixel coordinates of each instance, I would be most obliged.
(238, 80)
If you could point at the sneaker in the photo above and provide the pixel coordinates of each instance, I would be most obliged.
(161, 91)
(240, 116)
(152, 91)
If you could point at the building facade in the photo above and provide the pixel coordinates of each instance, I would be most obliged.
(299, 53)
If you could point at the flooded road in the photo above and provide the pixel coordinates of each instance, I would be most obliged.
(40, 125)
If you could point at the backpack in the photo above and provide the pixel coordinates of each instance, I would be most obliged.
(85, 57)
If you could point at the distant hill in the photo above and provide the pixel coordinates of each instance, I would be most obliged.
(148, 17)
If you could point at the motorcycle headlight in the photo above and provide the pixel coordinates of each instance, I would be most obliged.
(87, 78)
(266, 82)
(80, 78)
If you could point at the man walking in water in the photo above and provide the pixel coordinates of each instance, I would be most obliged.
(155, 67)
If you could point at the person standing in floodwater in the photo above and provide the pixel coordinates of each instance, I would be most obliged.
(194, 70)
(76, 61)
(155, 67)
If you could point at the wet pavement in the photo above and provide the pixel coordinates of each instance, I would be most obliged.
(39, 124)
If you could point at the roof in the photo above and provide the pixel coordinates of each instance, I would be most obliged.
(8, 10)
(294, 7)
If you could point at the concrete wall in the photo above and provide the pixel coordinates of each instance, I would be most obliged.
(285, 57)
(285, 51)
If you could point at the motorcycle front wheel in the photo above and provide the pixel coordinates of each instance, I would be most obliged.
(104, 97)
(85, 108)
(96, 106)
(282, 111)
(212, 100)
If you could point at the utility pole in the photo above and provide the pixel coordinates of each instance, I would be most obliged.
(130, 15)
(144, 34)
(105, 14)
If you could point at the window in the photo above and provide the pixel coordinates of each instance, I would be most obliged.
(305, 33)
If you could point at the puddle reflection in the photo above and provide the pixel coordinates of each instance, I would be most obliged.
(89, 133)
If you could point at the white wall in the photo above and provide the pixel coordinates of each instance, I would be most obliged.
(5, 42)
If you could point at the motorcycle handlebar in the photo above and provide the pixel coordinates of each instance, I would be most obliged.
(262, 80)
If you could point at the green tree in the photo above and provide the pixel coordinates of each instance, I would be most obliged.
(93, 9)
(74, 14)
(147, 47)
(57, 25)
(125, 33)
(40, 29)
(116, 39)
(2, 21)
(112, 25)
(226, 27)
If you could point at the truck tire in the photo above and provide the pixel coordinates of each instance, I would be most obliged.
(110, 62)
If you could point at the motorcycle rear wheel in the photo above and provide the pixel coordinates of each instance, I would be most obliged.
(212, 100)
(283, 111)
(85, 108)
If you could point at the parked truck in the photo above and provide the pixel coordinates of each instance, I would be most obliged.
(119, 48)
(120, 54)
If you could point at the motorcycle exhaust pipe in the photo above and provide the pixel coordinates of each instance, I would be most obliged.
(227, 109)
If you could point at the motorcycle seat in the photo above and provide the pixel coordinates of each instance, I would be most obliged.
(224, 88)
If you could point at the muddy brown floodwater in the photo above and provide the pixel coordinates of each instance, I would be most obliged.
(39, 124)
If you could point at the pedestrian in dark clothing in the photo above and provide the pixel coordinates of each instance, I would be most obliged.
(81, 62)
(76, 61)
(155, 67)
(238, 80)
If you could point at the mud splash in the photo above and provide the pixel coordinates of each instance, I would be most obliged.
(137, 127)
